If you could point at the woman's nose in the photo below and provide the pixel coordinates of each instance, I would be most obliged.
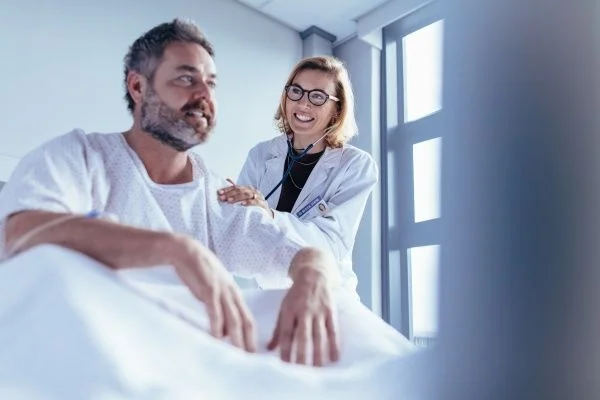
(304, 100)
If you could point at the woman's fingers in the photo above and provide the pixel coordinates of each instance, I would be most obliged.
(251, 198)
(245, 195)
(230, 181)
(227, 189)
(236, 194)
(256, 202)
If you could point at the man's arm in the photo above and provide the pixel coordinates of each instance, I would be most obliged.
(119, 246)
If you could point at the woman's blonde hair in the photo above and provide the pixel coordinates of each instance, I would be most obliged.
(344, 125)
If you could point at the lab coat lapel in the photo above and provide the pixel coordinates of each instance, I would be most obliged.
(274, 171)
(317, 178)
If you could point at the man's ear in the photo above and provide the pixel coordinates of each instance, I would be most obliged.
(136, 86)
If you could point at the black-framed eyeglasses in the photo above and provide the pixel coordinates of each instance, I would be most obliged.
(316, 96)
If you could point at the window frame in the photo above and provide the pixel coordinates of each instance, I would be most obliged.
(396, 304)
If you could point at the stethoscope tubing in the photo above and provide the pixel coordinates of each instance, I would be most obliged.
(293, 160)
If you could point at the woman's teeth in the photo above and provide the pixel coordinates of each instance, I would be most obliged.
(303, 118)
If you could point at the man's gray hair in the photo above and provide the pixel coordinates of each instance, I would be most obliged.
(148, 49)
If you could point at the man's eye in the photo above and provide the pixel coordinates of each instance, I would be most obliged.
(186, 79)
(212, 84)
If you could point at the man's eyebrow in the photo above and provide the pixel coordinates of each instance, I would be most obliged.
(190, 68)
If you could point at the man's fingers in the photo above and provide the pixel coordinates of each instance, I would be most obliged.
(318, 339)
(248, 325)
(215, 316)
(332, 337)
(286, 336)
(301, 339)
(274, 342)
(232, 320)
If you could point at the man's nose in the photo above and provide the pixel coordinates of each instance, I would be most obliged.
(203, 91)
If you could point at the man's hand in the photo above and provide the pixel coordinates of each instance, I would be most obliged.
(307, 315)
(120, 246)
(210, 282)
(245, 195)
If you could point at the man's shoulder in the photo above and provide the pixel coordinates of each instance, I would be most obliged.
(78, 138)
(211, 177)
(93, 138)
(73, 147)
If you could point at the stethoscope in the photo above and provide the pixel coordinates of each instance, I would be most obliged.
(293, 160)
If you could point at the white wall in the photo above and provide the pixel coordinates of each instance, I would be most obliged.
(363, 63)
(61, 68)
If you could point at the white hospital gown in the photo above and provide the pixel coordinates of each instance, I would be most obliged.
(79, 172)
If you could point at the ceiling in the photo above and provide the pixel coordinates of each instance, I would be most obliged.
(337, 17)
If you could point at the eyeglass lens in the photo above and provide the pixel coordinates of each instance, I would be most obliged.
(316, 96)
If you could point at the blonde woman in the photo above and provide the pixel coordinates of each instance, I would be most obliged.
(310, 179)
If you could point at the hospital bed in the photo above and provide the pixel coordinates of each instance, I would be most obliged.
(72, 329)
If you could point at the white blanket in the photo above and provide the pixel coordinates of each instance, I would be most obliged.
(72, 329)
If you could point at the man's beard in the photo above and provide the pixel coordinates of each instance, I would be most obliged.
(170, 126)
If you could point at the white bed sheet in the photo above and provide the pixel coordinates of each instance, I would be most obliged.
(72, 329)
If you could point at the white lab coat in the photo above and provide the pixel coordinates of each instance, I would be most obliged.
(343, 178)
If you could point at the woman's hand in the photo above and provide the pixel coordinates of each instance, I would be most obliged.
(307, 315)
(245, 195)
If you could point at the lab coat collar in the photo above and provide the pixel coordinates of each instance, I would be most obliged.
(329, 159)
(274, 168)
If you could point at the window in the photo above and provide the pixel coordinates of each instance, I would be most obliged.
(427, 157)
(412, 144)
(422, 63)
(423, 277)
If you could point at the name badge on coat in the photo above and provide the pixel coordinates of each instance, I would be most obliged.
(310, 205)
